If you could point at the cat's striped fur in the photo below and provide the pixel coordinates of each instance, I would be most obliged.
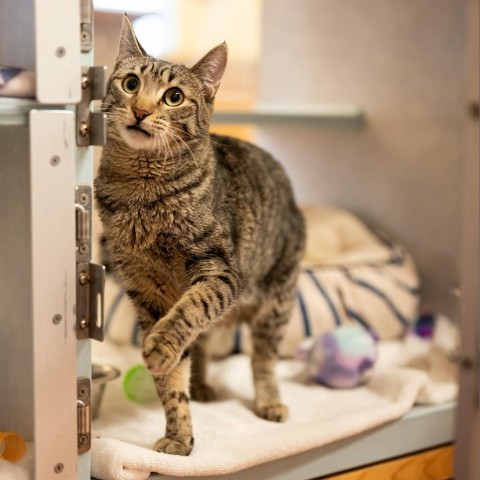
(199, 228)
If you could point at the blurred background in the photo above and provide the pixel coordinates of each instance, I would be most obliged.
(182, 31)
(366, 102)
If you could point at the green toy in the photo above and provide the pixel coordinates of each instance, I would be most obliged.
(138, 385)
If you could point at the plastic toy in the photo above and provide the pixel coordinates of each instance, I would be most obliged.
(341, 358)
(12, 446)
(138, 385)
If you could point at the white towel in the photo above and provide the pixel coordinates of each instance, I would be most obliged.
(229, 437)
(20, 470)
(12, 471)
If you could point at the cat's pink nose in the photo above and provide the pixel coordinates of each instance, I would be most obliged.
(140, 114)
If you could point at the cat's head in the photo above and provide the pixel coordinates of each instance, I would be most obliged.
(156, 105)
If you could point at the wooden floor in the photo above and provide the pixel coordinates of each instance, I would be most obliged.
(436, 464)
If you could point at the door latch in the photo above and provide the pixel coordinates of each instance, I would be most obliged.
(91, 124)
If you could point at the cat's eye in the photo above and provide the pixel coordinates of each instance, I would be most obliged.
(173, 97)
(131, 84)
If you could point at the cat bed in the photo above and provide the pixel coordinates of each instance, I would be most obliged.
(350, 275)
(16, 82)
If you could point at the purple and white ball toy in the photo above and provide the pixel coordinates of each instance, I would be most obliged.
(341, 358)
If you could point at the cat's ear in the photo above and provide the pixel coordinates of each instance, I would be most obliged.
(129, 45)
(210, 69)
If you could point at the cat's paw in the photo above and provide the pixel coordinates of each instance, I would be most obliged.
(272, 413)
(159, 354)
(202, 393)
(173, 447)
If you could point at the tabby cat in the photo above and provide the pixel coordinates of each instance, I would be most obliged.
(199, 228)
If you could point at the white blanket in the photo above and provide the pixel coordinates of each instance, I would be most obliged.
(229, 437)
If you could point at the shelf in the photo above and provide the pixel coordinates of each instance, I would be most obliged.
(346, 115)
(14, 111)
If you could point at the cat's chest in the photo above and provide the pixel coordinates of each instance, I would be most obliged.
(154, 231)
(142, 243)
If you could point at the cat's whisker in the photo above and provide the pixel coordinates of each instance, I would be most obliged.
(162, 147)
(161, 139)
(181, 130)
(156, 141)
(170, 129)
(161, 133)
(165, 147)
(157, 149)
(175, 137)
(169, 126)
(199, 135)
(200, 344)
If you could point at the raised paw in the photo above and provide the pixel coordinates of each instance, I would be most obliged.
(202, 393)
(173, 447)
(159, 354)
(272, 413)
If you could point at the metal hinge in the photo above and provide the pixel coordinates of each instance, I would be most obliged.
(83, 222)
(90, 295)
(91, 125)
(90, 277)
(84, 414)
(86, 25)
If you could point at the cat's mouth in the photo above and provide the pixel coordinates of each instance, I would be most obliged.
(137, 128)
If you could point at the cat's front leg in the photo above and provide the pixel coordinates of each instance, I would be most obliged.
(163, 350)
(207, 299)
(173, 390)
(199, 390)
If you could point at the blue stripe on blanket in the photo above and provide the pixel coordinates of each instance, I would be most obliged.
(328, 300)
(398, 255)
(237, 342)
(136, 334)
(7, 73)
(303, 309)
(113, 309)
(359, 319)
(398, 258)
(399, 283)
(381, 295)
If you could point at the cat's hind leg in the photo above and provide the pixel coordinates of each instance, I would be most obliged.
(267, 329)
(199, 389)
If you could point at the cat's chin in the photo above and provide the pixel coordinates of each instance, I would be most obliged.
(136, 138)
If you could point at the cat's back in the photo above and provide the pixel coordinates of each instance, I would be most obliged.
(256, 199)
(245, 162)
